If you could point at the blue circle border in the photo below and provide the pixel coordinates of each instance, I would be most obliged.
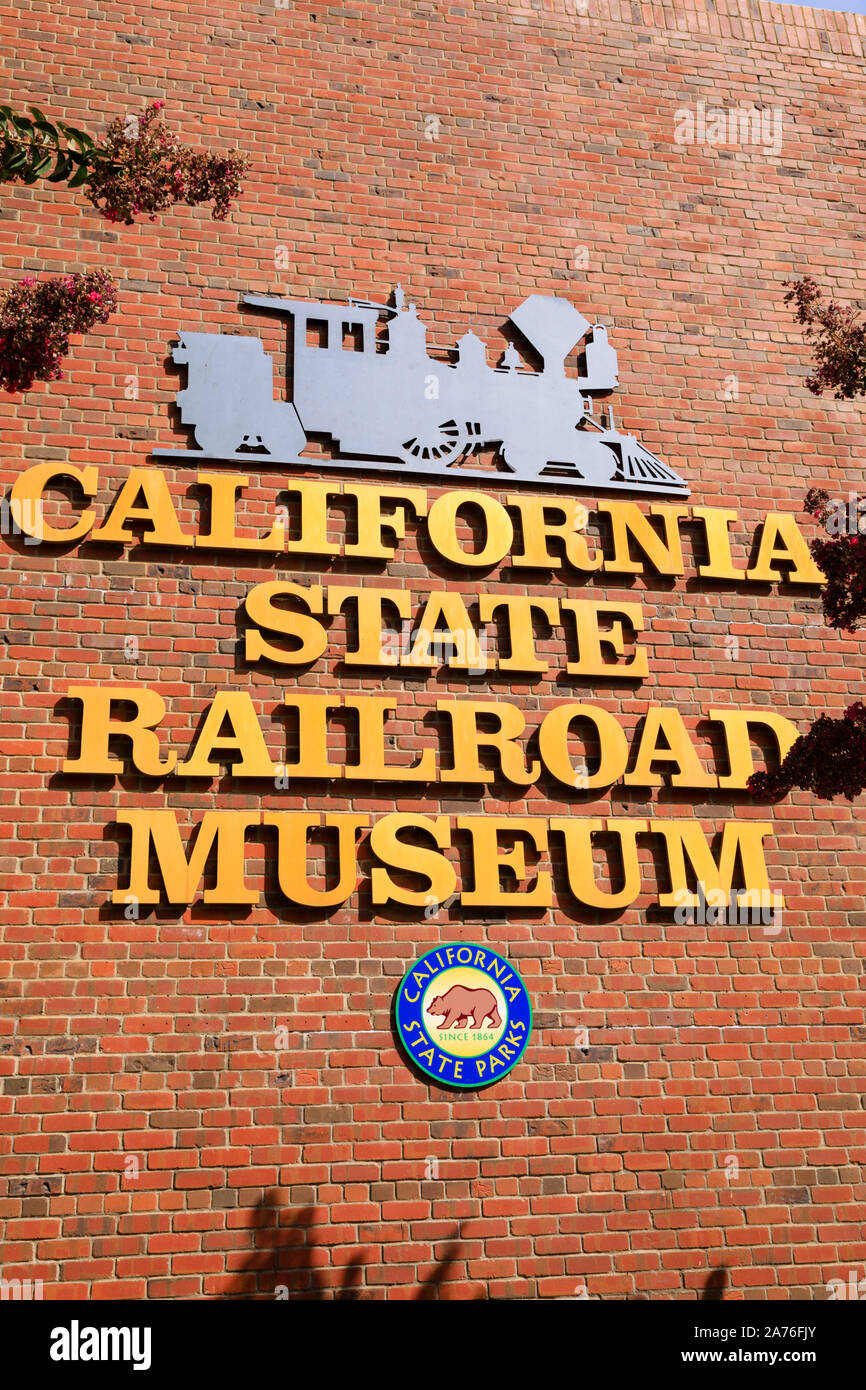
(437, 1076)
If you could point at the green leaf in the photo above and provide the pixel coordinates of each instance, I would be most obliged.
(18, 160)
(39, 116)
(78, 137)
(39, 167)
(22, 123)
(7, 113)
(80, 176)
(81, 163)
(46, 128)
(61, 168)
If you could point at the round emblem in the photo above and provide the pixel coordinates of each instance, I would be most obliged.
(464, 1015)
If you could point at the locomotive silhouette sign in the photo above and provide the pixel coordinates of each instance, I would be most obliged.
(373, 389)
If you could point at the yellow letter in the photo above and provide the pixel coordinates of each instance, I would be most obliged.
(99, 723)
(536, 527)
(467, 739)
(158, 510)
(245, 737)
(25, 501)
(686, 837)
(591, 640)
(488, 861)
(224, 488)
(628, 522)
(371, 521)
(578, 834)
(519, 610)
(442, 529)
(736, 723)
(262, 611)
(716, 529)
(372, 710)
(678, 749)
(458, 633)
(312, 736)
(314, 495)
(372, 638)
(782, 540)
(292, 830)
(553, 734)
(224, 829)
(387, 845)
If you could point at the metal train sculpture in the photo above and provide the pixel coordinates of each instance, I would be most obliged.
(386, 403)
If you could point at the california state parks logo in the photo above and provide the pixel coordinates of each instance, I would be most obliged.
(464, 1015)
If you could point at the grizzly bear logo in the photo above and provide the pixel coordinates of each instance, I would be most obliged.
(460, 1004)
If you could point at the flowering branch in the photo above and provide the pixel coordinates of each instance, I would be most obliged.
(828, 760)
(838, 340)
(37, 319)
(842, 559)
(31, 148)
(140, 168)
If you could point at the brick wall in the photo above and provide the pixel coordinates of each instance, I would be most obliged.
(156, 1141)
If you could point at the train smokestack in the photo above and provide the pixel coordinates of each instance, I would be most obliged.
(552, 326)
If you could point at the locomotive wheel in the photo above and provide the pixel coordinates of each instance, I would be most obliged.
(439, 444)
(596, 461)
(212, 440)
(526, 463)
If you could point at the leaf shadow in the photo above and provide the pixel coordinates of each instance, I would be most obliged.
(289, 1262)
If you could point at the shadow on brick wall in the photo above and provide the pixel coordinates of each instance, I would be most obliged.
(294, 1256)
(715, 1285)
